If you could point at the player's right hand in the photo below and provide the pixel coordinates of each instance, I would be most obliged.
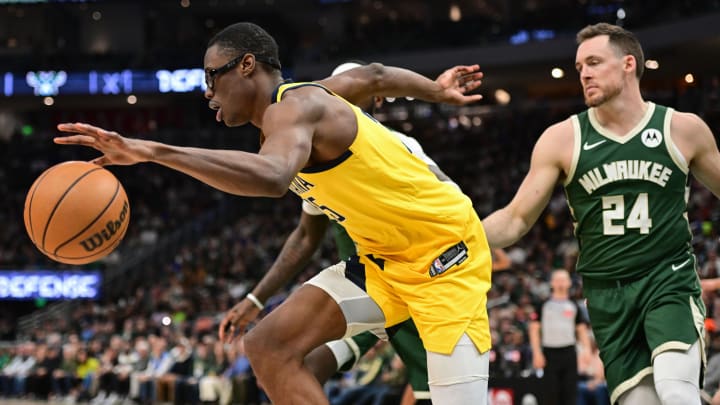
(116, 149)
(236, 320)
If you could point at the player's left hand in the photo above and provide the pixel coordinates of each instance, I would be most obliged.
(457, 82)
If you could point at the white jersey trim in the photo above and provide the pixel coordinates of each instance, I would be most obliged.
(576, 149)
(630, 134)
(672, 149)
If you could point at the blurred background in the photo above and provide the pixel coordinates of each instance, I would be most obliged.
(191, 252)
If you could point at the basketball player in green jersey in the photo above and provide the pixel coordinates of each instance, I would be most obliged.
(624, 164)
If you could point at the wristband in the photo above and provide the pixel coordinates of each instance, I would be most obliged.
(255, 301)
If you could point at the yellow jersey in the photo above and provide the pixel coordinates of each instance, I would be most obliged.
(387, 199)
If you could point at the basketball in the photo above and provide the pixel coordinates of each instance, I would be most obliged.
(76, 212)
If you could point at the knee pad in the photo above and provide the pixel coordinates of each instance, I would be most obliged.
(360, 311)
(464, 364)
(643, 393)
(677, 376)
(676, 392)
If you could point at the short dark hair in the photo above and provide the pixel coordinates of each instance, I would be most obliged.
(246, 37)
(622, 39)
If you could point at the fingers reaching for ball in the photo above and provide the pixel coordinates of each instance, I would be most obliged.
(116, 149)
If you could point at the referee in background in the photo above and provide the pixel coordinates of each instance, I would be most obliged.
(555, 328)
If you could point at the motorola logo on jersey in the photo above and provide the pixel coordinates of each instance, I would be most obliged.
(651, 137)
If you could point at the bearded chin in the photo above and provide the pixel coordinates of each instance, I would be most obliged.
(603, 98)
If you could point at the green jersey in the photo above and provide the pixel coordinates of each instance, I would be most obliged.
(627, 196)
(345, 245)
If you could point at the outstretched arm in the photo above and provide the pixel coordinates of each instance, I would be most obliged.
(506, 225)
(375, 79)
(267, 173)
(294, 256)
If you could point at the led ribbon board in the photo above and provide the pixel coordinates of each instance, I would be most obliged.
(44, 83)
(51, 285)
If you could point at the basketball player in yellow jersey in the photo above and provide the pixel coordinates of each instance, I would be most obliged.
(422, 250)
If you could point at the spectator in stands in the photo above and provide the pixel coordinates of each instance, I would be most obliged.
(203, 364)
(368, 377)
(140, 362)
(106, 378)
(63, 378)
(39, 380)
(592, 388)
(711, 268)
(159, 363)
(15, 373)
(212, 386)
(126, 360)
(181, 368)
(87, 367)
(513, 352)
(239, 373)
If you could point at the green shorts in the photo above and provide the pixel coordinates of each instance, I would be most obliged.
(633, 321)
(406, 341)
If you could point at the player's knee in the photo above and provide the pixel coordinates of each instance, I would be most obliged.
(258, 348)
(677, 392)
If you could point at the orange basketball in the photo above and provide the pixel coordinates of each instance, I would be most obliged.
(76, 212)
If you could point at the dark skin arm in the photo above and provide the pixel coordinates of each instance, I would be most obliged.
(293, 257)
(377, 80)
(266, 173)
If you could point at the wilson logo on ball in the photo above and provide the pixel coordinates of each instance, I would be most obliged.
(111, 228)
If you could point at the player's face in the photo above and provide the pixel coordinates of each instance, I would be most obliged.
(228, 89)
(601, 70)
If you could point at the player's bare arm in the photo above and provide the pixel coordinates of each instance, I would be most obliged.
(696, 142)
(549, 162)
(375, 79)
(267, 173)
(293, 257)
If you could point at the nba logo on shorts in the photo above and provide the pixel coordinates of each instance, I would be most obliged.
(436, 268)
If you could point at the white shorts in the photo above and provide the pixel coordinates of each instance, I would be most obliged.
(360, 311)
